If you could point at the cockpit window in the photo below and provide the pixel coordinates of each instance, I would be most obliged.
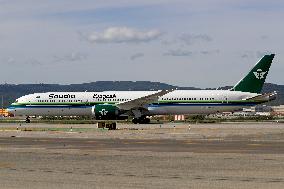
(38, 97)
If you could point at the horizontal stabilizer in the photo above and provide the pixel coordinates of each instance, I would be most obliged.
(264, 97)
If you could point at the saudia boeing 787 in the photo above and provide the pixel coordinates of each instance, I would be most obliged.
(112, 105)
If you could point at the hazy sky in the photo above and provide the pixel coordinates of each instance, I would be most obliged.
(207, 43)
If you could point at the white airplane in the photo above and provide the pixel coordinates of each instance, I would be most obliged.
(111, 105)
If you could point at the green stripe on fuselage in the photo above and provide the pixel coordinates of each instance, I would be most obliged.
(159, 102)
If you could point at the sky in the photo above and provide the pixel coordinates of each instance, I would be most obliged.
(206, 43)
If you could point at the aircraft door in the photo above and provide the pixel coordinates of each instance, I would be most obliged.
(225, 99)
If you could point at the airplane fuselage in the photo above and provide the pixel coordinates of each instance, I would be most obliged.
(176, 102)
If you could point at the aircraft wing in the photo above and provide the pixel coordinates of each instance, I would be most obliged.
(264, 97)
(143, 101)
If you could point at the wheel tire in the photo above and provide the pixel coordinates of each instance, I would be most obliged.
(143, 120)
(147, 120)
(112, 126)
(135, 121)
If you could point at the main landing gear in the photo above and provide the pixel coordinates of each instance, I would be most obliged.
(141, 120)
(28, 119)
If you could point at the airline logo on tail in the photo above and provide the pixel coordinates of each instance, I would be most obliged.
(259, 74)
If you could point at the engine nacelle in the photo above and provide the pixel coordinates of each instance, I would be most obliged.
(106, 111)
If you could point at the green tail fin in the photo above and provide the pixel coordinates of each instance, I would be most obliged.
(254, 80)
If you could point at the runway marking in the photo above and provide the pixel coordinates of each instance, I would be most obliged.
(146, 142)
(254, 144)
(5, 165)
(141, 142)
(189, 142)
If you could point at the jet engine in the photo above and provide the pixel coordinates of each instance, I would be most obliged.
(106, 112)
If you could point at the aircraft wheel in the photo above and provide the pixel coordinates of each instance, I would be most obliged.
(135, 120)
(28, 120)
(146, 120)
(143, 120)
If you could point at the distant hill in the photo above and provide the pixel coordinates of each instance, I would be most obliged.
(11, 91)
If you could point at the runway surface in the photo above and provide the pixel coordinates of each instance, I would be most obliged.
(149, 156)
(161, 145)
